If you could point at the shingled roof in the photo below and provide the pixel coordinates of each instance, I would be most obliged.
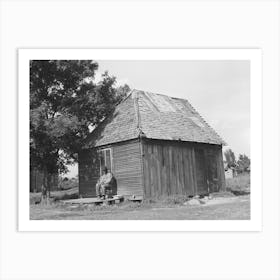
(154, 116)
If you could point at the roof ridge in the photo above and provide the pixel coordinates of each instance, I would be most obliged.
(136, 109)
(137, 113)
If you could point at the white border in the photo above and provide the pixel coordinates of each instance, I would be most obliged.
(254, 55)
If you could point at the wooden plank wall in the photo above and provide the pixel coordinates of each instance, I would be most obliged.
(127, 168)
(201, 171)
(169, 168)
(172, 168)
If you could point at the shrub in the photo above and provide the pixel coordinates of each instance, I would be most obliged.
(168, 200)
(66, 196)
(239, 184)
(66, 184)
(175, 199)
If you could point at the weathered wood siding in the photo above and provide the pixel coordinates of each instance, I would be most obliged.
(166, 168)
(181, 168)
(126, 167)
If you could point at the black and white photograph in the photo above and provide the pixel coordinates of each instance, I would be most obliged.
(140, 139)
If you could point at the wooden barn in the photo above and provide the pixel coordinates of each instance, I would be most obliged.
(155, 145)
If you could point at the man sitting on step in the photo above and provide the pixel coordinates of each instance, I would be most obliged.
(105, 183)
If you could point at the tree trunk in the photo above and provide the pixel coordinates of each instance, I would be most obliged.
(49, 185)
(45, 195)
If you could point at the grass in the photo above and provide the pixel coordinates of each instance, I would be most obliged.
(56, 195)
(223, 206)
(232, 208)
(239, 185)
(167, 200)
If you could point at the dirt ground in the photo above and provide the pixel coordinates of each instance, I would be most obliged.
(220, 208)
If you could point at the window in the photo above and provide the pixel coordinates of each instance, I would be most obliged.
(105, 157)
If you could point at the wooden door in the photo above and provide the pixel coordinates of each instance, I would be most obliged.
(201, 172)
(212, 170)
(105, 159)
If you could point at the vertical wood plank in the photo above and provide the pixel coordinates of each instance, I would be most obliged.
(155, 160)
(184, 171)
(147, 172)
(177, 158)
(193, 166)
(221, 170)
(194, 172)
(181, 174)
(164, 172)
(142, 158)
(176, 176)
(190, 188)
(150, 167)
(168, 169)
(207, 153)
(158, 165)
(171, 170)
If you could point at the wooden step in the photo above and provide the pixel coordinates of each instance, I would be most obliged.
(94, 200)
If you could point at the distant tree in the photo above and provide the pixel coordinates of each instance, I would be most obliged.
(65, 104)
(122, 91)
(243, 163)
(230, 158)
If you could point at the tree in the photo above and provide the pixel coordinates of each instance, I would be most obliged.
(230, 158)
(65, 104)
(243, 163)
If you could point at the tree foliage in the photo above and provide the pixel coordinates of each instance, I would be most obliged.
(230, 158)
(65, 104)
(243, 163)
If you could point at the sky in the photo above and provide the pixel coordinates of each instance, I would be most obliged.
(218, 90)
